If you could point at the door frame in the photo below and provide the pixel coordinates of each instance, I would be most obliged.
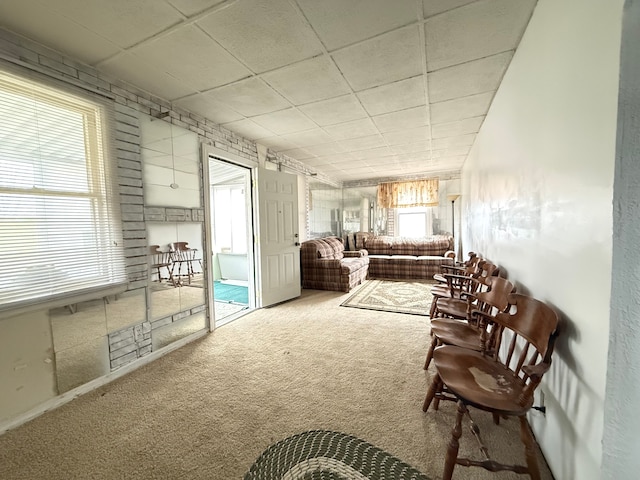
(207, 152)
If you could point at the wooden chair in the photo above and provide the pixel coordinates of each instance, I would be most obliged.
(454, 304)
(502, 383)
(477, 332)
(450, 283)
(160, 260)
(460, 267)
(184, 256)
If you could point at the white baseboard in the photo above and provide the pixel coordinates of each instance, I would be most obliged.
(66, 397)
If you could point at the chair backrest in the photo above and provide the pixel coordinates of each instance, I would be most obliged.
(496, 298)
(182, 252)
(528, 333)
(158, 257)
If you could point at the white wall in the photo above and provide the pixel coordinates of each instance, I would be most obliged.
(621, 442)
(537, 193)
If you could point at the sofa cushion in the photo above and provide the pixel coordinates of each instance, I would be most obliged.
(336, 245)
(436, 245)
(349, 265)
(379, 245)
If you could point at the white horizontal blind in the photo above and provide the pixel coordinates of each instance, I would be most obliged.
(59, 232)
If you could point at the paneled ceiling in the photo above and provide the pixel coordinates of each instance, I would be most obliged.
(355, 89)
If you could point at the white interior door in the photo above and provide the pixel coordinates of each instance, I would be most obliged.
(278, 245)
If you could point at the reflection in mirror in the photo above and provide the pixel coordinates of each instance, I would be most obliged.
(124, 309)
(176, 271)
(359, 204)
(325, 208)
(171, 164)
(80, 343)
(184, 327)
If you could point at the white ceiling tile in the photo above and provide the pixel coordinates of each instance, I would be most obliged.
(409, 118)
(475, 31)
(335, 110)
(250, 97)
(455, 162)
(326, 160)
(362, 143)
(55, 30)
(413, 135)
(284, 121)
(393, 56)
(264, 34)
(353, 129)
(450, 152)
(412, 147)
(308, 138)
(354, 164)
(461, 127)
(298, 153)
(308, 81)
(394, 96)
(326, 149)
(340, 23)
(277, 143)
(459, 108)
(433, 7)
(451, 142)
(191, 7)
(123, 22)
(479, 76)
(205, 105)
(371, 153)
(248, 129)
(181, 54)
(135, 70)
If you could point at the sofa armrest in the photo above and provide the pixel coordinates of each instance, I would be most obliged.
(357, 253)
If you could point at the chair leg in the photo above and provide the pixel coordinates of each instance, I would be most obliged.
(436, 386)
(496, 418)
(454, 444)
(529, 449)
(432, 347)
(432, 310)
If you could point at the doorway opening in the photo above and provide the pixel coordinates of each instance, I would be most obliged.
(231, 234)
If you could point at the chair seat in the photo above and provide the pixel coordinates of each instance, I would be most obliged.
(481, 381)
(452, 307)
(456, 332)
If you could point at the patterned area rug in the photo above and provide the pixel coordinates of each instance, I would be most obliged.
(324, 455)
(393, 296)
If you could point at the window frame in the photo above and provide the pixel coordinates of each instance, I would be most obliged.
(100, 194)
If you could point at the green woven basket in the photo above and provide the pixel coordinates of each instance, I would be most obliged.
(324, 455)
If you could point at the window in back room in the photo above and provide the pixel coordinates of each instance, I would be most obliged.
(414, 222)
(60, 232)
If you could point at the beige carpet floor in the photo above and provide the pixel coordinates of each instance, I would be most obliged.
(207, 410)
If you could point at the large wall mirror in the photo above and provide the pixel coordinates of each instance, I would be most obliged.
(171, 164)
(176, 274)
(172, 182)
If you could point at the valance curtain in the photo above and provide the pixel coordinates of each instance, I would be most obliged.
(417, 193)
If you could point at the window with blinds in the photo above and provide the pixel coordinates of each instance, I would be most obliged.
(60, 235)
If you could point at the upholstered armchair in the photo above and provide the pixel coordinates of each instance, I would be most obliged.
(327, 266)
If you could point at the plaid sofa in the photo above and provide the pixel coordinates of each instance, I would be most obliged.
(326, 265)
(399, 257)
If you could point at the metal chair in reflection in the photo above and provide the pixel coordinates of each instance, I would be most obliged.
(183, 257)
(161, 260)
